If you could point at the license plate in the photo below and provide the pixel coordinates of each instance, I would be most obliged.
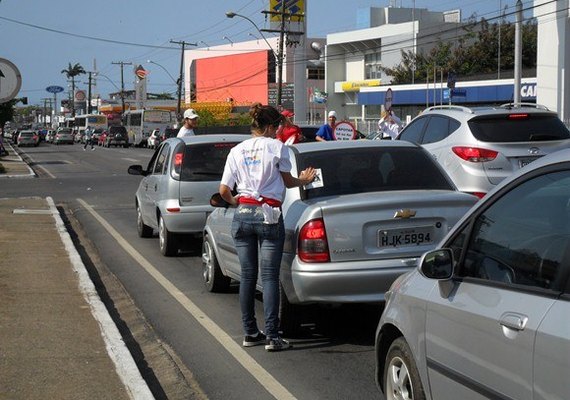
(525, 161)
(405, 237)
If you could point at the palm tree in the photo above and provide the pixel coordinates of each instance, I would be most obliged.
(71, 72)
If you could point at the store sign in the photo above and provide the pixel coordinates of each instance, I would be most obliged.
(354, 86)
(344, 130)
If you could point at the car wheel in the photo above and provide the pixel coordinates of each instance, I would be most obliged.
(290, 315)
(401, 376)
(214, 279)
(167, 241)
(143, 230)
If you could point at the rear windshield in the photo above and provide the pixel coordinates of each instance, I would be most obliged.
(118, 129)
(521, 128)
(363, 170)
(205, 162)
(26, 134)
(64, 132)
(170, 132)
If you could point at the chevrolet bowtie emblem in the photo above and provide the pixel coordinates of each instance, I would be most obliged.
(405, 213)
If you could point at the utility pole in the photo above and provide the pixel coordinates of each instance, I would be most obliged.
(280, 56)
(179, 93)
(45, 100)
(122, 64)
(518, 52)
(89, 93)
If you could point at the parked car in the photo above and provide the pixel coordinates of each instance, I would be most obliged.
(479, 147)
(63, 136)
(485, 315)
(174, 195)
(377, 208)
(116, 136)
(96, 135)
(27, 138)
(154, 139)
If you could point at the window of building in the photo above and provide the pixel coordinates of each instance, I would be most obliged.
(316, 73)
(372, 64)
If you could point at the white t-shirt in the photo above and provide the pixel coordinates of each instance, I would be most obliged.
(185, 132)
(256, 165)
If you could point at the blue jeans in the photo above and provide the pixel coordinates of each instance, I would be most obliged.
(259, 248)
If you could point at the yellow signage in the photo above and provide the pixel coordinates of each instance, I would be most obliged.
(291, 7)
(354, 86)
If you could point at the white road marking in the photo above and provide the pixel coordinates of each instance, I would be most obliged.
(131, 159)
(253, 367)
(125, 365)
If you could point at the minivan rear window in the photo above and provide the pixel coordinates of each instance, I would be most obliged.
(348, 171)
(205, 162)
(519, 128)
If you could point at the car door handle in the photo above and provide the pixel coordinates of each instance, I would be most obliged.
(155, 187)
(514, 321)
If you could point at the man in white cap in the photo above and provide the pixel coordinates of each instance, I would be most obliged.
(190, 122)
(326, 132)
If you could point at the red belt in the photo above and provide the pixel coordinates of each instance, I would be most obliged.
(264, 200)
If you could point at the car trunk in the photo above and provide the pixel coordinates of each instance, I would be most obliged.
(354, 232)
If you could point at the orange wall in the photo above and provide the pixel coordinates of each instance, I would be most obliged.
(242, 77)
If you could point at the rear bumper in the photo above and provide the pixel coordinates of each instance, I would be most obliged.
(357, 282)
(185, 221)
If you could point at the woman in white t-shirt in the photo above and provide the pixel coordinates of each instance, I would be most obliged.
(261, 170)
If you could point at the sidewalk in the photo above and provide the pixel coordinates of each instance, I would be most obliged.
(57, 340)
(14, 165)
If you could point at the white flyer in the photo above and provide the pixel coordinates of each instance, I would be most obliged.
(318, 181)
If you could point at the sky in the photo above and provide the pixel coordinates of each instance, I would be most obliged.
(41, 37)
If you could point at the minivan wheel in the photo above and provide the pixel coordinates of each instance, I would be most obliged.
(143, 230)
(167, 241)
(401, 376)
(214, 279)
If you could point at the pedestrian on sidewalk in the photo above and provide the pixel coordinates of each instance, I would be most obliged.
(88, 138)
(261, 169)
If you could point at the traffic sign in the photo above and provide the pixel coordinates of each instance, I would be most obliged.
(388, 100)
(10, 80)
(344, 130)
(54, 89)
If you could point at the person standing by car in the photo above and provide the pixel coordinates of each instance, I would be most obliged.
(261, 169)
(390, 125)
(190, 122)
(288, 132)
(88, 138)
(326, 132)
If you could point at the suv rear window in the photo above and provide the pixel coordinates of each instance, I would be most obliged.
(118, 129)
(349, 171)
(205, 162)
(170, 132)
(523, 128)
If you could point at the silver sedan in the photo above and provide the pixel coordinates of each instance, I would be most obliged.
(376, 208)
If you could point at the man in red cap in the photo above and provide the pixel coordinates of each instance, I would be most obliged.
(288, 132)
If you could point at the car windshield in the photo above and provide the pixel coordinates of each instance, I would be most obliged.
(348, 171)
(205, 162)
(518, 128)
(26, 134)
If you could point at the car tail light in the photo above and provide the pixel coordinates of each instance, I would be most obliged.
(478, 194)
(474, 154)
(313, 246)
(177, 162)
(518, 116)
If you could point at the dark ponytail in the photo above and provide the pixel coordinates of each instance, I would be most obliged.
(264, 116)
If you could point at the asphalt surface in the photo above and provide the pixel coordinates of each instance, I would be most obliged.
(57, 339)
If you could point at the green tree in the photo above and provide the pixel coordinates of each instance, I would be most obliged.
(7, 112)
(71, 72)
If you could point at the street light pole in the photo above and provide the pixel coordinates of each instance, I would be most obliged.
(165, 70)
(122, 63)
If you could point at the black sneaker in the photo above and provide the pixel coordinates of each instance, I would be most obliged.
(250, 341)
(276, 344)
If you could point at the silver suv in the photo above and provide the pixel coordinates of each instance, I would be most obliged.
(174, 195)
(486, 314)
(479, 147)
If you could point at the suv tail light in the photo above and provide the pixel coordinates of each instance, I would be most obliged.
(474, 154)
(313, 246)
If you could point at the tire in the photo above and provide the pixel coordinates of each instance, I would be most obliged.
(401, 376)
(167, 241)
(290, 315)
(143, 230)
(214, 279)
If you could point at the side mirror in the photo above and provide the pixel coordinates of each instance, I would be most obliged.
(136, 170)
(217, 201)
(437, 264)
